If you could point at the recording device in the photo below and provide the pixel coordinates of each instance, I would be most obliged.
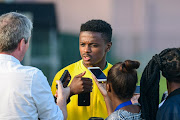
(65, 78)
(84, 98)
(137, 91)
(96, 118)
(96, 71)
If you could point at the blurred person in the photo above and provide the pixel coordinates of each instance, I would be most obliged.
(120, 87)
(136, 95)
(94, 43)
(167, 62)
(24, 90)
(135, 98)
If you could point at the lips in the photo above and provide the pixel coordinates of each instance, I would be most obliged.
(86, 57)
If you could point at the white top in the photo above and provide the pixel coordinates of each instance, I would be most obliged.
(25, 93)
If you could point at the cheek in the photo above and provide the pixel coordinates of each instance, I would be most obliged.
(98, 52)
(81, 50)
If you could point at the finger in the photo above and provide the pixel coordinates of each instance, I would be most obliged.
(86, 79)
(56, 95)
(88, 89)
(99, 85)
(60, 86)
(81, 74)
(87, 83)
(95, 79)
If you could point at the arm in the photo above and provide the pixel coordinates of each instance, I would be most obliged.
(62, 96)
(103, 91)
(43, 99)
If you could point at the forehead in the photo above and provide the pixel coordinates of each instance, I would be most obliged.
(91, 37)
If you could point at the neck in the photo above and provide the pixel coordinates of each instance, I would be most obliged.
(102, 65)
(117, 101)
(171, 86)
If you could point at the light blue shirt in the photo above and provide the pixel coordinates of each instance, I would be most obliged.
(25, 92)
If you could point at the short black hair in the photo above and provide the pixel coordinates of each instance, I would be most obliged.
(100, 26)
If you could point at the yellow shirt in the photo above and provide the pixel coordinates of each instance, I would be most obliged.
(97, 106)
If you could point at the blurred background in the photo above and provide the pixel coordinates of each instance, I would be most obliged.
(141, 28)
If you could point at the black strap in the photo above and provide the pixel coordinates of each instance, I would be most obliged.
(175, 92)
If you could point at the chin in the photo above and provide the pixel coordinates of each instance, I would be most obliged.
(87, 64)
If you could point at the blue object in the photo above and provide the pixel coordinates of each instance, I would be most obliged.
(123, 105)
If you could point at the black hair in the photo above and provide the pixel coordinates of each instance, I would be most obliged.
(123, 78)
(168, 61)
(98, 26)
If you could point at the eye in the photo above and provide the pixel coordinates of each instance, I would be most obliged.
(94, 45)
(82, 44)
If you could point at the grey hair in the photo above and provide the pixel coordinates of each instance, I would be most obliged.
(13, 28)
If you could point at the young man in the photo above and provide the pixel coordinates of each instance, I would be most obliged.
(24, 90)
(94, 43)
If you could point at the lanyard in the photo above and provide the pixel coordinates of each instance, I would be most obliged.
(123, 105)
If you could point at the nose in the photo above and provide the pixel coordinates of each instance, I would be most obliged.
(87, 49)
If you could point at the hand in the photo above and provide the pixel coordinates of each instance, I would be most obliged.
(62, 93)
(101, 86)
(80, 84)
(62, 96)
(102, 89)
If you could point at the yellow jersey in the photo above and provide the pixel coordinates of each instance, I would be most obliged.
(97, 106)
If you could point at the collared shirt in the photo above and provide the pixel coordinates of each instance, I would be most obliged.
(25, 92)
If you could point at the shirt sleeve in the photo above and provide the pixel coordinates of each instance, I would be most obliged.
(43, 98)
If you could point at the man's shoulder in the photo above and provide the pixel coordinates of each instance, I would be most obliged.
(71, 68)
(31, 69)
(73, 65)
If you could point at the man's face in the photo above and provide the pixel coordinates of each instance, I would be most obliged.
(92, 48)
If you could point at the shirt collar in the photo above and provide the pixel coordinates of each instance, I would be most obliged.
(9, 58)
(86, 68)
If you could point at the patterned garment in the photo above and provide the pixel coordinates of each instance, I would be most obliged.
(124, 115)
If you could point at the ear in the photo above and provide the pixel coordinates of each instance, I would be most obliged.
(21, 45)
(108, 46)
(108, 88)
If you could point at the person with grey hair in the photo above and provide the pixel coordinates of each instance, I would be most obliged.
(24, 90)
